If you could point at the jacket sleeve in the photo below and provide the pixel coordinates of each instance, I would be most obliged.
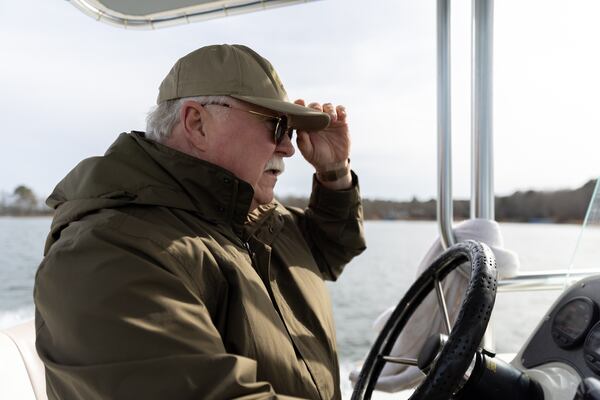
(333, 226)
(115, 320)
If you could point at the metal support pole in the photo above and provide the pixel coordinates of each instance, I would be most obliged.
(444, 130)
(482, 157)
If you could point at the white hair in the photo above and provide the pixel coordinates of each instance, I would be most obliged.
(161, 119)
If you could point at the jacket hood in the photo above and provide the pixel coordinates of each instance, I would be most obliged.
(137, 171)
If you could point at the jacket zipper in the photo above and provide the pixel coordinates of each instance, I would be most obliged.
(252, 256)
(264, 279)
(254, 264)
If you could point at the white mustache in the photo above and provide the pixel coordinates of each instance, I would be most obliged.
(275, 163)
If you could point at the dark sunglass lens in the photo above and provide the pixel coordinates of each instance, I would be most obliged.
(281, 129)
(278, 134)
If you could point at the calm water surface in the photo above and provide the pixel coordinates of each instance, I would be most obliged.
(371, 283)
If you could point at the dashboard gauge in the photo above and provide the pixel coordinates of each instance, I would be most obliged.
(573, 321)
(591, 349)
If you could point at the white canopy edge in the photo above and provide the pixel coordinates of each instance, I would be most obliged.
(142, 14)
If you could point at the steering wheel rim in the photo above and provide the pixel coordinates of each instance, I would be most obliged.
(445, 374)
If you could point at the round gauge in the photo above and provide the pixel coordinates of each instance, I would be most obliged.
(573, 320)
(591, 349)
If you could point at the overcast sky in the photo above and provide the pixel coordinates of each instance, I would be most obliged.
(70, 85)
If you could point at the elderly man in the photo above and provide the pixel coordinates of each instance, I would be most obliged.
(171, 273)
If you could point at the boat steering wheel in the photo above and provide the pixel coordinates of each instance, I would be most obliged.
(444, 373)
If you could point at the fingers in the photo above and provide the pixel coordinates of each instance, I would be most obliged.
(337, 113)
(315, 106)
(329, 109)
(304, 144)
(341, 113)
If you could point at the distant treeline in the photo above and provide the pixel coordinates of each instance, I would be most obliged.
(22, 202)
(560, 206)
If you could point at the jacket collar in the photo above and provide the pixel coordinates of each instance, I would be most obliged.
(215, 194)
(265, 222)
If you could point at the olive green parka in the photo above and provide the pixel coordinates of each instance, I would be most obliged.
(157, 283)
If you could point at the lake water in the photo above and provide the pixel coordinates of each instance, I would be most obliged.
(371, 283)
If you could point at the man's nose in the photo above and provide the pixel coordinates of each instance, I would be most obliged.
(285, 148)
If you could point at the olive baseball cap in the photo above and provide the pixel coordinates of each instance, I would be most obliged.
(239, 72)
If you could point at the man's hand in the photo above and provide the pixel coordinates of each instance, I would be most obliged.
(329, 146)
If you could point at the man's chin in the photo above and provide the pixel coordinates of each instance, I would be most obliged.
(263, 191)
(263, 198)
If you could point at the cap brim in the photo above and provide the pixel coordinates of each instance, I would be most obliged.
(299, 117)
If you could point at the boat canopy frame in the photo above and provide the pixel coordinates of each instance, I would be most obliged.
(147, 15)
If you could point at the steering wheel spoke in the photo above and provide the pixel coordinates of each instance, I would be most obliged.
(439, 291)
(401, 360)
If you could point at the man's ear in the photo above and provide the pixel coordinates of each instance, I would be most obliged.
(192, 115)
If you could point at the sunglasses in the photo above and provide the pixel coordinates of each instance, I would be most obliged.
(280, 123)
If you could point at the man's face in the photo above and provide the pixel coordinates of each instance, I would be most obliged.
(243, 144)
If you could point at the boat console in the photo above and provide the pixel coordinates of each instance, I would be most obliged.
(561, 357)
(570, 332)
